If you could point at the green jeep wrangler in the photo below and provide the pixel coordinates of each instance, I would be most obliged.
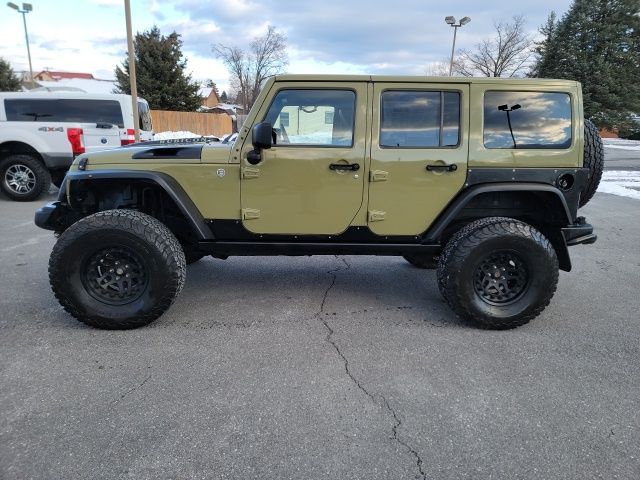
(479, 178)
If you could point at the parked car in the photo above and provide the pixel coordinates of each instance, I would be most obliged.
(481, 178)
(41, 134)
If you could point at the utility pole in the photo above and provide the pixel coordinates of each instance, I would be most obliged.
(451, 21)
(132, 72)
(26, 8)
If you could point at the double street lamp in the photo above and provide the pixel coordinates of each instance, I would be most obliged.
(26, 8)
(452, 23)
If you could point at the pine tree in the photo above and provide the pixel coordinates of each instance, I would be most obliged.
(9, 82)
(223, 97)
(597, 42)
(543, 48)
(160, 73)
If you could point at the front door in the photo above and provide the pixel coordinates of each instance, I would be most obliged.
(419, 154)
(311, 181)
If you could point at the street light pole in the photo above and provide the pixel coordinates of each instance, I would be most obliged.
(26, 8)
(132, 72)
(451, 21)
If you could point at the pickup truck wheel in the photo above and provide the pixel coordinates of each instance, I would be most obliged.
(593, 160)
(499, 273)
(23, 177)
(117, 269)
(422, 261)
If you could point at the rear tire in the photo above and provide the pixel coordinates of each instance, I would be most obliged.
(498, 273)
(117, 269)
(23, 177)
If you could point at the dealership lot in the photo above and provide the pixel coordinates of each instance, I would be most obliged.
(324, 367)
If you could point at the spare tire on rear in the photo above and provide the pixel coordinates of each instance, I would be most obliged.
(593, 160)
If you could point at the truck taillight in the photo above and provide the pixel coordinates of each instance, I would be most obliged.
(76, 139)
(130, 138)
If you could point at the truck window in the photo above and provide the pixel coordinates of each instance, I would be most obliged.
(419, 119)
(63, 110)
(313, 117)
(527, 119)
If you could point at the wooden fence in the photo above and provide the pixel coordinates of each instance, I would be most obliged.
(201, 123)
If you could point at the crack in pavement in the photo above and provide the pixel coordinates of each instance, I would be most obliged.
(132, 390)
(329, 339)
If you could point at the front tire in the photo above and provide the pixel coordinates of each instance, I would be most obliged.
(498, 273)
(23, 177)
(117, 269)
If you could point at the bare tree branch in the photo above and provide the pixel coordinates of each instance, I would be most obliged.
(504, 55)
(248, 71)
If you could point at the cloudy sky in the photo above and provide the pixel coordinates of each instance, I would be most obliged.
(328, 36)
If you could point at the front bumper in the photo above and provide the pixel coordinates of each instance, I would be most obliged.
(51, 215)
(580, 233)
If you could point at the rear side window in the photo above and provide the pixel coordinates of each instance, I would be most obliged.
(313, 117)
(64, 110)
(527, 120)
(419, 119)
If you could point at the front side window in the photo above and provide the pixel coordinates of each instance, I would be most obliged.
(313, 117)
(419, 119)
(64, 110)
(527, 120)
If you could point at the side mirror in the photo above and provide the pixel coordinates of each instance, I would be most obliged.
(262, 136)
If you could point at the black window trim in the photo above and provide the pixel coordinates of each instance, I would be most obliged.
(540, 147)
(442, 92)
(318, 145)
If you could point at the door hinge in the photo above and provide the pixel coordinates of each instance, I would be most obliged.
(376, 215)
(378, 176)
(248, 172)
(250, 213)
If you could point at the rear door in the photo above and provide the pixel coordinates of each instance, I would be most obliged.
(419, 153)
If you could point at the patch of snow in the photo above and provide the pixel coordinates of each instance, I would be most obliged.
(621, 144)
(173, 135)
(621, 182)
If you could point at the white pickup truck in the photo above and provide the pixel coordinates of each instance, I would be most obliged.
(41, 134)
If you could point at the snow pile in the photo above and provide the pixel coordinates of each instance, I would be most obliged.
(622, 183)
(621, 144)
(174, 135)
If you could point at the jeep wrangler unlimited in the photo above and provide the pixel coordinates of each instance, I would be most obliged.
(479, 178)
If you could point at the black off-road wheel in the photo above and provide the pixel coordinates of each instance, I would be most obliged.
(422, 261)
(117, 269)
(498, 273)
(593, 160)
(23, 177)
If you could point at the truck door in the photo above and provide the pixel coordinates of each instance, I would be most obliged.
(310, 181)
(419, 153)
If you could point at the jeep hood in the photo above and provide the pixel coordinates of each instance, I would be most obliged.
(158, 154)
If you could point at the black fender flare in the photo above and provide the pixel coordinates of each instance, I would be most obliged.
(169, 184)
(451, 212)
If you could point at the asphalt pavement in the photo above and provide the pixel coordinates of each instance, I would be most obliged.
(324, 367)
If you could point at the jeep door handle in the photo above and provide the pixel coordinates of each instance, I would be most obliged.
(442, 168)
(352, 167)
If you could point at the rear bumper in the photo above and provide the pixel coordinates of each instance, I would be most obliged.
(580, 233)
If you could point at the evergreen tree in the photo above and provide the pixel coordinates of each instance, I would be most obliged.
(597, 42)
(9, 82)
(160, 73)
(543, 48)
(223, 97)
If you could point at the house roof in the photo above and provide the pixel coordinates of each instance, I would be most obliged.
(66, 75)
